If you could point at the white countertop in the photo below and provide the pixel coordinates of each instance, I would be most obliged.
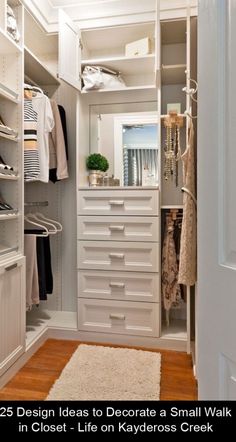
(119, 188)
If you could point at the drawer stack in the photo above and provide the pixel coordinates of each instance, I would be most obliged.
(118, 261)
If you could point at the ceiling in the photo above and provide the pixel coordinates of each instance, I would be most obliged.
(68, 3)
(98, 13)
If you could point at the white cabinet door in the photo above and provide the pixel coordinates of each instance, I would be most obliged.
(12, 312)
(69, 51)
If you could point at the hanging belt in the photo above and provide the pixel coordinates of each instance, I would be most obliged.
(184, 189)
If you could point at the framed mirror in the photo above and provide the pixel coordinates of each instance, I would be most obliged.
(129, 140)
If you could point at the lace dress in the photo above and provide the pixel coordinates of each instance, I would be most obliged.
(188, 246)
(171, 292)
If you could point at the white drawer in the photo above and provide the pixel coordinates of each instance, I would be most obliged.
(126, 286)
(132, 318)
(120, 228)
(111, 255)
(119, 202)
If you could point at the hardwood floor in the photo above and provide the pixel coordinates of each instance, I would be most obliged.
(35, 379)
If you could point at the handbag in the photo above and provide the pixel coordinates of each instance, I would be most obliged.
(100, 77)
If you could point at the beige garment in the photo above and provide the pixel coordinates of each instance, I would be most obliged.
(57, 148)
(188, 246)
(32, 284)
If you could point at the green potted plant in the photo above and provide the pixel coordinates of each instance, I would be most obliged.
(96, 164)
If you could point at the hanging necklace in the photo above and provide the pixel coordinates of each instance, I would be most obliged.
(172, 148)
(169, 161)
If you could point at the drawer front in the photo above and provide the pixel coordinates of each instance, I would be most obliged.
(118, 228)
(131, 318)
(111, 255)
(128, 286)
(119, 202)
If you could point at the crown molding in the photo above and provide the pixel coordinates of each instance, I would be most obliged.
(120, 11)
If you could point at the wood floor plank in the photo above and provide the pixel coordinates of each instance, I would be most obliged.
(35, 379)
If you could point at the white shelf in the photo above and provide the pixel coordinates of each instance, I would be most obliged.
(9, 216)
(37, 71)
(8, 45)
(5, 251)
(173, 206)
(39, 320)
(9, 177)
(9, 137)
(8, 96)
(173, 74)
(176, 330)
(128, 88)
(126, 65)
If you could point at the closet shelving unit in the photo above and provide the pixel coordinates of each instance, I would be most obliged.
(40, 70)
(12, 268)
(174, 58)
(11, 187)
(106, 47)
(151, 83)
(177, 40)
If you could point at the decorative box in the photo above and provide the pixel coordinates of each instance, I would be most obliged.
(138, 47)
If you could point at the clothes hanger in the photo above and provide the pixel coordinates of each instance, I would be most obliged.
(34, 88)
(51, 232)
(193, 117)
(41, 215)
(46, 232)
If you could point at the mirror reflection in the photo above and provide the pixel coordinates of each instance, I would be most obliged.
(130, 143)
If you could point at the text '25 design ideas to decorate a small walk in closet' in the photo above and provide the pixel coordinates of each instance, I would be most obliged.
(114, 264)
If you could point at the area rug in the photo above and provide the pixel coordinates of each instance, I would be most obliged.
(107, 373)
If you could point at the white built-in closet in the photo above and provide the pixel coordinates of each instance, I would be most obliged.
(152, 81)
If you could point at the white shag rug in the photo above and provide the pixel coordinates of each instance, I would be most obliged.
(107, 373)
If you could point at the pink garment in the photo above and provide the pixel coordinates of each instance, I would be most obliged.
(32, 283)
(57, 146)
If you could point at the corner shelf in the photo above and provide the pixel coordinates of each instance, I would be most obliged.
(37, 71)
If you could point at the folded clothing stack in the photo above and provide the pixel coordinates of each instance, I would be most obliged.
(7, 130)
(12, 27)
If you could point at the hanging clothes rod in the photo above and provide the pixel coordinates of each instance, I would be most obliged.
(37, 204)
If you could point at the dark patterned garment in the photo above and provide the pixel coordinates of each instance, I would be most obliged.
(171, 292)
